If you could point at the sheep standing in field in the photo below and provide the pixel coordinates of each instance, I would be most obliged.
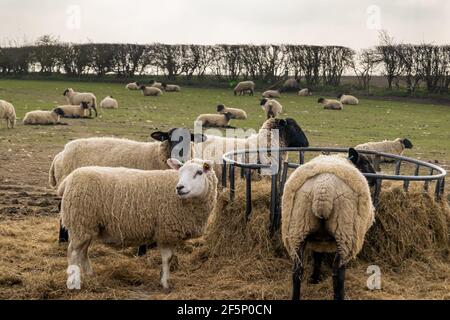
(109, 103)
(272, 94)
(215, 120)
(330, 104)
(271, 107)
(291, 84)
(396, 146)
(133, 86)
(326, 205)
(44, 117)
(235, 113)
(305, 92)
(348, 99)
(171, 87)
(151, 91)
(244, 86)
(8, 113)
(132, 207)
(76, 98)
(70, 111)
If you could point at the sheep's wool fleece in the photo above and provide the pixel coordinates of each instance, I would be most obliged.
(7, 110)
(386, 146)
(237, 113)
(213, 120)
(329, 188)
(131, 207)
(41, 117)
(348, 99)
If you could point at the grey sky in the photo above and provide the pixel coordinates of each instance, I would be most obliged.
(226, 21)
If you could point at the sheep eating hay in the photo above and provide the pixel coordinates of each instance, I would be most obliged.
(132, 207)
(76, 98)
(327, 204)
(8, 113)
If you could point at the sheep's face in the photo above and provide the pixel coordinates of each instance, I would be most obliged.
(192, 177)
(263, 102)
(290, 133)
(363, 164)
(67, 91)
(340, 95)
(407, 143)
(220, 108)
(321, 100)
(59, 112)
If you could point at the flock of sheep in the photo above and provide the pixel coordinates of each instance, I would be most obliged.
(133, 193)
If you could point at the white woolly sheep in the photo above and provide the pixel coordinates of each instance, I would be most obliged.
(171, 87)
(272, 94)
(133, 86)
(132, 207)
(330, 104)
(305, 92)
(244, 86)
(43, 117)
(235, 113)
(272, 107)
(109, 103)
(326, 205)
(151, 91)
(291, 84)
(396, 146)
(215, 120)
(8, 113)
(348, 99)
(76, 98)
(155, 84)
(70, 111)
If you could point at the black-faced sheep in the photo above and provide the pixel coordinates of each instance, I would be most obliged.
(70, 111)
(8, 113)
(235, 113)
(330, 104)
(131, 207)
(76, 98)
(272, 94)
(40, 117)
(109, 103)
(348, 99)
(133, 86)
(244, 86)
(396, 146)
(272, 107)
(326, 205)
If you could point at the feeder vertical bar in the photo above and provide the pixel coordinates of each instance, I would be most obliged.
(437, 191)
(406, 185)
(376, 194)
(417, 171)
(273, 203)
(232, 184)
(398, 165)
(248, 192)
(302, 157)
(425, 185)
(224, 174)
(284, 177)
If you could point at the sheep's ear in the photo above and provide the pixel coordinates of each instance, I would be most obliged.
(174, 163)
(160, 136)
(198, 137)
(353, 155)
(207, 166)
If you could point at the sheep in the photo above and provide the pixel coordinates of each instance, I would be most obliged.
(331, 104)
(272, 94)
(396, 146)
(171, 87)
(215, 120)
(8, 113)
(348, 99)
(133, 86)
(70, 111)
(114, 152)
(326, 204)
(76, 98)
(272, 107)
(235, 113)
(151, 91)
(305, 92)
(43, 117)
(214, 147)
(244, 86)
(132, 206)
(109, 103)
(155, 84)
(291, 84)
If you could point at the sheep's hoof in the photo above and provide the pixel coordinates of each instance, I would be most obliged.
(167, 290)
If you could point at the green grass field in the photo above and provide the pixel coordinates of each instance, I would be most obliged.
(427, 125)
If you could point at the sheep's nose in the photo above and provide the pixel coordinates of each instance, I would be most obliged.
(180, 188)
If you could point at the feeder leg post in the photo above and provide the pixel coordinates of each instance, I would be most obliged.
(297, 272)
(224, 174)
(273, 203)
(232, 182)
(338, 278)
(248, 192)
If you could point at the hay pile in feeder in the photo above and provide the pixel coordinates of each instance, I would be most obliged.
(410, 225)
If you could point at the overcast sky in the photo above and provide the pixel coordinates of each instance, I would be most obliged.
(353, 23)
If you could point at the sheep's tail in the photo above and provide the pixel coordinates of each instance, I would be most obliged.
(51, 175)
(322, 201)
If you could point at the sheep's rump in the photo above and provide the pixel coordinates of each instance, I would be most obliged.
(128, 206)
(7, 112)
(332, 191)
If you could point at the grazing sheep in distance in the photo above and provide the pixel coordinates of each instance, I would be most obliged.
(305, 92)
(109, 103)
(244, 86)
(70, 111)
(133, 86)
(171, 87)
(131, 207)
(44, 117)
(151, 91)
(215, 120)
(272, 107)
(155, 84)
(272, 94)
(235, 113)
(331, 104)
(76, 98)
(348, 99)
(291, 84)
(396, 146)
(326, 205)
(8, 113)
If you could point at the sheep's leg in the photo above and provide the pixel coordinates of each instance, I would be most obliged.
(142, 250)
(166, 254)
(63, 233)
(95, 110)
(338, 278)
(316, 277)
(84, 259)
(297, 272)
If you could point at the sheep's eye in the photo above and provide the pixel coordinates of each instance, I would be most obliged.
(198, 173)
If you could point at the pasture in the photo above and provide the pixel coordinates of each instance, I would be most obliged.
(32, 263)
